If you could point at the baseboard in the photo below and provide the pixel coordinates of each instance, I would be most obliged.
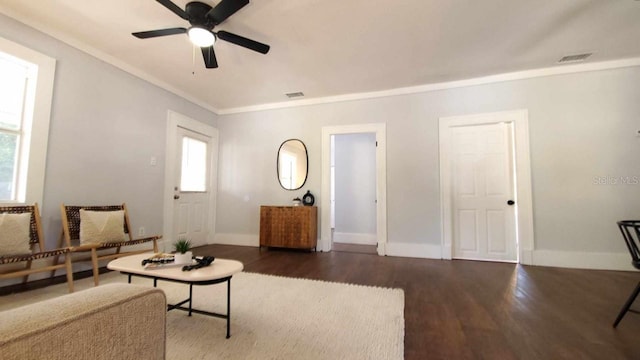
(555, 258)
(354, 238)
(526, 257)
(237, 239)
(426, 251)
(583, 260)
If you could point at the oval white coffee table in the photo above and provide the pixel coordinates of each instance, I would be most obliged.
(219, 271)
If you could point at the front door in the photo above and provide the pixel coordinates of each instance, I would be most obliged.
(483, 192)
(192, 190)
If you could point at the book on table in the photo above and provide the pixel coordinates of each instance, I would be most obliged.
(160, 261)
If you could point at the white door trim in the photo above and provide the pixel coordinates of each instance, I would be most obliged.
(381, 181)
(524, 220)
(175, 120)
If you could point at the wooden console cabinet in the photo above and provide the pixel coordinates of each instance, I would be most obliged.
(289, 226)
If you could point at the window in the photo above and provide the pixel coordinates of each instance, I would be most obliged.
(15, 76)
(194, 165)
(26, 92)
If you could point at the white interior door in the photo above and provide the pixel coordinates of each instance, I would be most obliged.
(483, 192)
(192, 190)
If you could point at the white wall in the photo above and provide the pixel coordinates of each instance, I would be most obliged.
(355, 188)
(105, 127)
(582, 127)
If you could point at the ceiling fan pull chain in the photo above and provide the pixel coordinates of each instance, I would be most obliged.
(193, 60)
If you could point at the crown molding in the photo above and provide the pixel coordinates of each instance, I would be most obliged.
(484, 80)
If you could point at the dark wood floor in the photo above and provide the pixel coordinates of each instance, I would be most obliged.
(478, 310)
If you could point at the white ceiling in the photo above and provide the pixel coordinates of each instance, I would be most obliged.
(337, 47)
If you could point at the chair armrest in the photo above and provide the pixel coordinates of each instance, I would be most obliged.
(149, 238)
(33, 256)
(97, 246)
(130, 242)
(86, 247)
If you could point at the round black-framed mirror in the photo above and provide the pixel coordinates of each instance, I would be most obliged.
(292, 164)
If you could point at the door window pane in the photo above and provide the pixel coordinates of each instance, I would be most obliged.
(194, 165)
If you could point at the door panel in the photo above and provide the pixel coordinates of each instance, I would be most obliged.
(496, 237)
(468, 230)
(183, 218)
(198, 217)
(483, 223)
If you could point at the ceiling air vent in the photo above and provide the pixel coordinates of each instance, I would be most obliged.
(574, 58)
(295, 94)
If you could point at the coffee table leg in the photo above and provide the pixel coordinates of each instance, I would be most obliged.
(190, 297)
(229, 308)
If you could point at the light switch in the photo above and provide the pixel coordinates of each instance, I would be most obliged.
(153, 161)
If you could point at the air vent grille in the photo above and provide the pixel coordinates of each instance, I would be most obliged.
(574, 58)
(295, 94)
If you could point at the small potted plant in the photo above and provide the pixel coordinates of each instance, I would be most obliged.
(182, 255)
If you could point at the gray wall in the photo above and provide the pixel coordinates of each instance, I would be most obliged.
(582, 126)
(355, 183)
(105, 126)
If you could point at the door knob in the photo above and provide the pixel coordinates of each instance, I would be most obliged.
(176, 197)
(510, 202)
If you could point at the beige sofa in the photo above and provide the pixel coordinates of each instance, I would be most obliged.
(115, 321)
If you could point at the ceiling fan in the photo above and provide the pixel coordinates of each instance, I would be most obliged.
(203, 18)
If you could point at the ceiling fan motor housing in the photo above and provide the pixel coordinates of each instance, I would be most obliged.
(197, 12)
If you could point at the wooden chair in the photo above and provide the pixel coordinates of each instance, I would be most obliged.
(38, 250)
(70, 234)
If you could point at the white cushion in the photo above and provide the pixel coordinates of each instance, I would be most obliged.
(14, 234)
(101, 226)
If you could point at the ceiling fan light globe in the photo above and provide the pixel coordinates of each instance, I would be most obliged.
(201, 37)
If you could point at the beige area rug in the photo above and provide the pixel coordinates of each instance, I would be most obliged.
(271, 318)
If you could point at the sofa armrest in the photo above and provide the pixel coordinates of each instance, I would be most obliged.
(115, 321)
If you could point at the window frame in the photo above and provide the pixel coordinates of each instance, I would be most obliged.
(36, 120)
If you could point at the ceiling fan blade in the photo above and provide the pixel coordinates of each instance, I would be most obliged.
(209, 56)
(244, 42)
(225, 9)
(175, 8)
(156, 33)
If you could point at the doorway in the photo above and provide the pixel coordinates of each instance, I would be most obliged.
(485, 184)
(327, 208)
(353, 192)
(190, 180)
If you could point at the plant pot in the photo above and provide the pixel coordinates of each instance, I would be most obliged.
(185, 258)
